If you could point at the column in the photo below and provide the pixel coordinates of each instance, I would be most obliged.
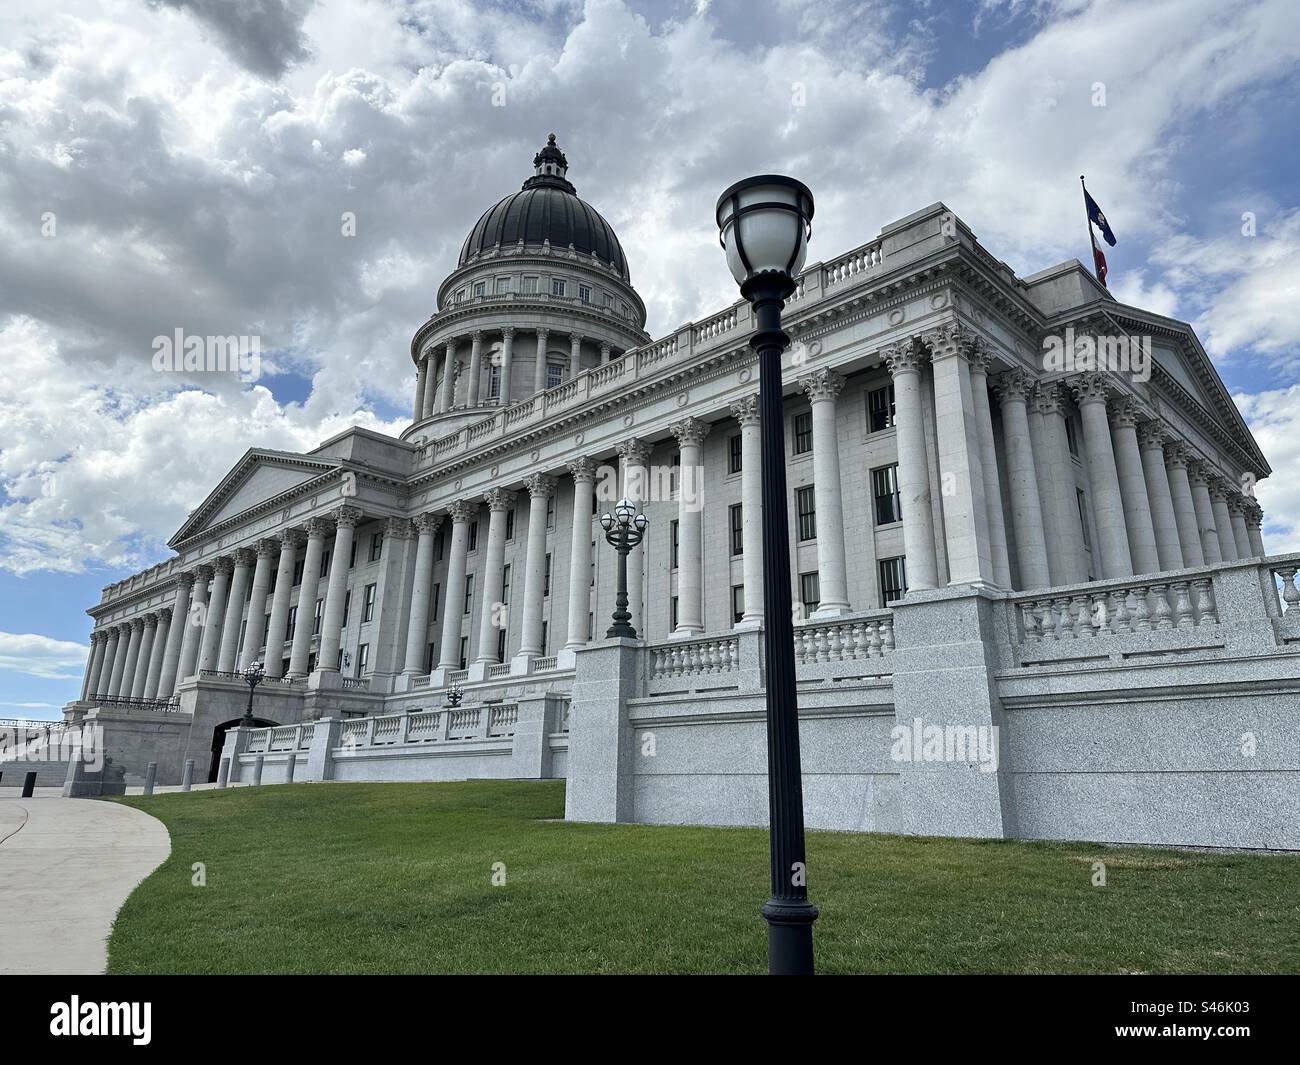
(132, 658)
(1198, 475)
(238, 591)
(540, 489)
(575, 354)
(93, 661)
(822, 389)
(430, 401)
(1237, 513)
(392, 600)
(1164, 519)
(904, 363)
(417, 630)
(1180, 489)
(604, 354)
(1255, 519)
(633, 456)
(336, 591)
(121, 642)
(507, 363)
(453, 606)
(255, 630)
(98, 662)
(447, 397)
(745, 411)
(210, 647)
(1107, 503)
(1065, 555)
(193, 624)
(583, 471)
(1133, 486)
(141, 679)
(281, 600)
(539, 368)
(104, 669)
(421, 372)
(475, 366)
(180, 610)
(1222, 520)
(493, 613)
(300, 652)
(979, 359)
(965, 513)
(690, 434)
(159, 648)
(1013, 389)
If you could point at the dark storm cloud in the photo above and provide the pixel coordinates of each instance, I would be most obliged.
(263, 36)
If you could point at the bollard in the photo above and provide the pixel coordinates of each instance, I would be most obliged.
(29, 784)
(257, 769)
(223, 774)
(150, 771)
(288, 767)
(187, 781)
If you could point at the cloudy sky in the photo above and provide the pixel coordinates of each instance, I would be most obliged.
(186, 164)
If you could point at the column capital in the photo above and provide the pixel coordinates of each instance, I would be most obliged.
(1198, 472)
(582, 470)
(1048, 398)
(449, 346)
(267, 548)
(823, 384)
(1089, 387)
(540, 486)
(1013, 386)
(947, 341)
(136, 624)
(461, 511)
(508, 332)
(1218, 487)
(290, 539)
(476, 337)
(745, 410)
(428, 353)
(690, 431)
(978, 355)
(1237, 501)
(244, 556)
(1151, 437)
(205, 571)
(634, 452)
(426, 523)
(903, 358)
(225, 564)
(1123, 412)
(1254, 514)
(185, 578)
(1176, 453)
(499, 499)
(150, 620)
(346, 517)
(317, 528)
(164, 613)
(398, 528)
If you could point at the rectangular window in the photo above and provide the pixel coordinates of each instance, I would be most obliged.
(893, 580)
(593, 563)
(546, 635)
(803, 433)
(584, 293)
(737, 603)
(806, 505)
(550, 512)
(464, 651)
(546, 578)
(316, 617)
(1082, 500)
(674, 543)
(501, 645)
(347, 606)
(363, 660)
(352, 555)
(438, 543)
(437, 601)
(494, 381)
(505, 584)
(884, 487)
(502, 285)
(325, 565)
(530, 285)
(673, 614)
(473, 536)
(469, 593)
(1071, 437)
(734, 454)
(737, 530)
(809, 592)
(368, 610)
(557, 286)
(293, 623)
(880, 409)
(429, 659)
(510, 524)
(376, 546)
(554, 375)
(297, 571)
(480, 288)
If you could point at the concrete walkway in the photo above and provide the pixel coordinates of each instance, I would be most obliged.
(66, 867)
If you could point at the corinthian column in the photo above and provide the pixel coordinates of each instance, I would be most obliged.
(132, 657)
(540, 489)
(141, 680)
(583, 471)
(95, 666)
(492, 617)
(1164, 519)
(507, 363)
(1219, 490)
(121, 642)
(690, 434)
(633, 456)
(1090, 393)
(430, 402)
(417, 630)
(300, 653)
(194, 623)
(454, 607)
(475, 366)
(277, 629)
(1057, 490)
(447, 397)
(211, 645)
(154, 671)
(1254, 521)
(979, 359)
(105, 640)
(1013, 389)
(1199, 475)
(175, 636)
(539, 368)
(1237, 512)
(1180, 488)
(745, 411)
(1133, 486)
(823, 388)
(336, 592)
(421, 372)
(244, 560)
(904, 363)
(255, 630)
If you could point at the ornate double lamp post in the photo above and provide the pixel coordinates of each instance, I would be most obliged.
(252, 677)
(624, 529)
(764, 224)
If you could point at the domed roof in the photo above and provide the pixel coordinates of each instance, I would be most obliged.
(547, 208)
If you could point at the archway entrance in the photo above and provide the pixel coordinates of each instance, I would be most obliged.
(219, 741)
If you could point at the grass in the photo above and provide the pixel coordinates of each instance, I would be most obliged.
(396, 878)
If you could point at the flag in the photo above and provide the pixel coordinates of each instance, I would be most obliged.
(1099, 263)
(1099, 220)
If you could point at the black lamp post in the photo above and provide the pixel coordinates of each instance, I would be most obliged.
(624, 529)
(252, 677)
(764, 225)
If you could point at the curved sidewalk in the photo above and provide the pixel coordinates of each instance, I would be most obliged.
(66, 867)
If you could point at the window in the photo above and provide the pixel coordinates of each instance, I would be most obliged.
(473, 536)
(494, 381)
(893, 580)
(557, 286)
(363, 660)
(674, 543)
(546, 635)
(368, 608)
(510, 524)
(480, 288)
(554, 375)
(297, 571)
(809, 592)
(673, 614)
(502, 285)
(609, 301)
(1082, 500)
(806, 504)
(737, 603)
(376, 546)
(429, 659)
(803, 433)
(584, 293)
(438, 540)
(469, 593)
(505, 585)
(546, 578)
(593, 563)
(737, 530)
(316, 617)
(530, 285)
(347, 606)
(591, 626)
(884, 486)
(270, 588)
(437, 600)
(460, 295)
(501, 645)
(880, 409)
(325, 564)
(1071, 437)
(293, 623)
(550, 512)
(734, 454)
(464, 651)
(352, 556)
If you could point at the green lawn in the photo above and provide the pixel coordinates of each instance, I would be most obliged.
(396, 878)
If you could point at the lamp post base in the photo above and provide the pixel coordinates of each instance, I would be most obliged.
(789, 936)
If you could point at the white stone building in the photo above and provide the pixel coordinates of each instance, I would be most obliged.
(1079, 544)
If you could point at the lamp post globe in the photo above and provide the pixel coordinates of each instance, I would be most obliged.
(764, 225)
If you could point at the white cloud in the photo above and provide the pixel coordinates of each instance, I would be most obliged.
(41, 656)
(1274, 418)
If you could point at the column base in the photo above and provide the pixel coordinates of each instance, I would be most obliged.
(681, 633)
(748, 624)
(830, 612)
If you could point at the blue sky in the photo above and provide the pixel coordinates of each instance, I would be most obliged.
(197, 163)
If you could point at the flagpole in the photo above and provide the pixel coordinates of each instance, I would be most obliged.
(1087, 218)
